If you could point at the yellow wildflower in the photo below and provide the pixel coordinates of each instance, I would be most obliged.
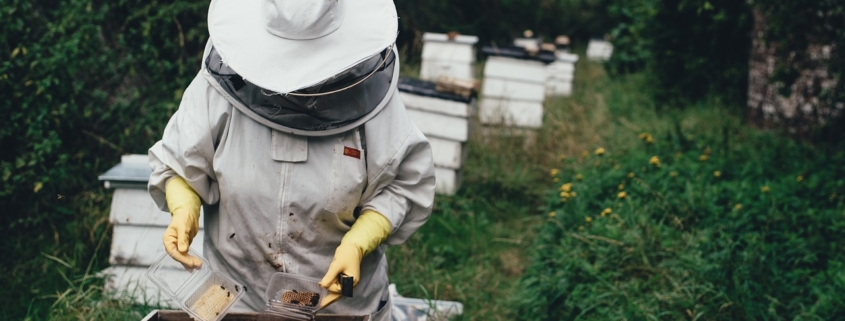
(564, 194)
(799, 178)
(764, 189)
(552, 214)
(647, 138)
(631, 175)
(703, 157)
(622, 195)
(606, 212)
(654, 160)
(556, 180)
(588, 219)
(621, 186)
(573, 194)
(717, 173)
(578, 177)
(599, 151)
(738, 207)
(554, 172)
(566, 187)
(673, 174)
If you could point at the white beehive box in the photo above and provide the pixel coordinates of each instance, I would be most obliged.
(138, 225)
(527, 42)
(513, 92)
(560, 74)
(444, 57)
(445, 121)
(599, 50)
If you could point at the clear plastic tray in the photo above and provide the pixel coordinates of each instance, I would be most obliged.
(205, 294)
(285, 292)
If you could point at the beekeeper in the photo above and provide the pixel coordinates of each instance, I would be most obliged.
(293, 139)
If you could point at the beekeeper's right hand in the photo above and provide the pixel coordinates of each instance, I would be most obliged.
(184, 205)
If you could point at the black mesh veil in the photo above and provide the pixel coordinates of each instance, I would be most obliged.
(317, 113)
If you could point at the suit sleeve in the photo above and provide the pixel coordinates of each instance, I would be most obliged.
(188, 144)
(404, 188)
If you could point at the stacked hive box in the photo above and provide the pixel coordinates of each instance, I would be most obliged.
(514, 87)
(560, 74)
(443, 55)
(138, 225)
(444, 119)
(599, 50)
(528, 43)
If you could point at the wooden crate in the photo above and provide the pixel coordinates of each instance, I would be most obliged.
(442, 56)
(171, 315)
(138, 225)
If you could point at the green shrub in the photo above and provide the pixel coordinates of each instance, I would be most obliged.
(694, 48)
(82, 83)
(731, 225)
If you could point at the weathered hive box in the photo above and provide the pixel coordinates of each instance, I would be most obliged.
(138, 225)
(514, 87)
(442, 56)
(560, 74)
(444, 119)
(599, 50)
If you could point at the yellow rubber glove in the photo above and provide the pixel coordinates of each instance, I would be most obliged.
(363, 237)
(184, 206)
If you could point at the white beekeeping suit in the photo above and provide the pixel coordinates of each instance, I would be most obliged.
(282, 177)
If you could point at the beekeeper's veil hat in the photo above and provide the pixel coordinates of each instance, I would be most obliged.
(285, 45)
(297, 65)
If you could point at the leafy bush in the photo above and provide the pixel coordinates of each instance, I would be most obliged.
(83, 83)
(737, 225)
(695, 48)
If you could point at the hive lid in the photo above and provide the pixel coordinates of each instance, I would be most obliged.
(518, 53)
(132, 171)
(439, 37)
(427, 88)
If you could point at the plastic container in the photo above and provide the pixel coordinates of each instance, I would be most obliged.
(203, 293)
(293, 296)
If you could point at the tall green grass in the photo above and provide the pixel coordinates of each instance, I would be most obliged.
(687, 214)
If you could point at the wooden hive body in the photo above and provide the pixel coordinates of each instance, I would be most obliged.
(445, 120)
(513, 92)
(138, 225)
(444, 57)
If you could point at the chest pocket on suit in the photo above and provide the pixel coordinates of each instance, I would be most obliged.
(348, 179)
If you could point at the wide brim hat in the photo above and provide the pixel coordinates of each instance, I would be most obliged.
(286, 45)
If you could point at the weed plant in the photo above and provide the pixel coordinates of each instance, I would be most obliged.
(688, 215)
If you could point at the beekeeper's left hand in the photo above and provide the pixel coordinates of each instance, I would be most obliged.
(366, 234)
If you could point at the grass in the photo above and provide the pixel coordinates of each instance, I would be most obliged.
(492, 246)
